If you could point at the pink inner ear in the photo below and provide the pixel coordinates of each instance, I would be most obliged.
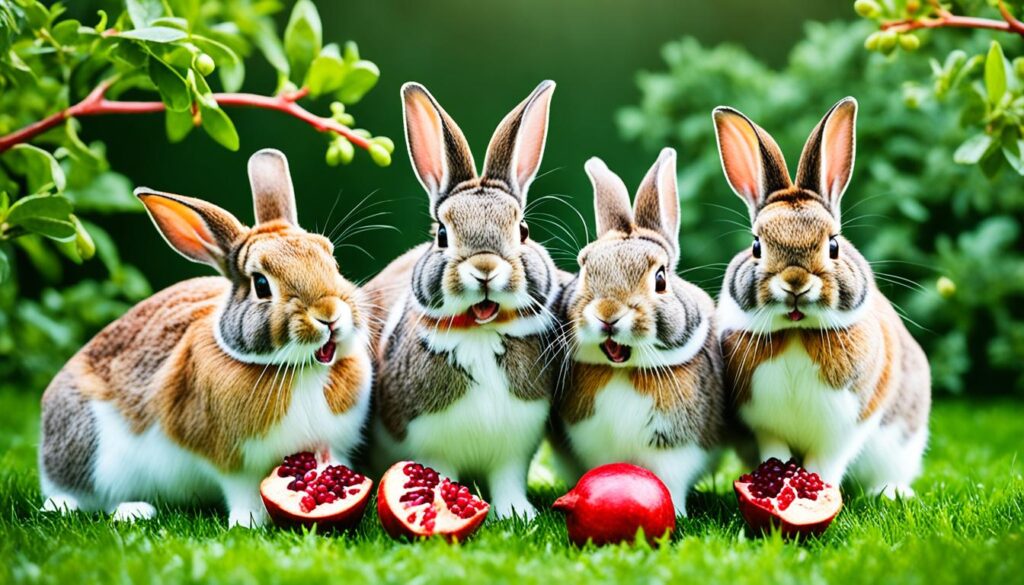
(837, 152)
(183, 228)
(741, 155)
(532, 134)
(668, 193)
(426, 140)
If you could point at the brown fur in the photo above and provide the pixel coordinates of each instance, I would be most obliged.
(203, 399)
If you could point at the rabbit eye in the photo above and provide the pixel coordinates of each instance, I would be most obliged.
(524, 231)
(261, 285)
(660, 282)
(442, 237)
(756, 249)
(833, 248)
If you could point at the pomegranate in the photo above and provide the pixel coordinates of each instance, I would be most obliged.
(416, 501)
(788, 497)
(304, 490)
(611, 502)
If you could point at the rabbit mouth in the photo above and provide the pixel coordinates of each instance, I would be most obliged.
(616, 352)
(325, 353)
(485, 311)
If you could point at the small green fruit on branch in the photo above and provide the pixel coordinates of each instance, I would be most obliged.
(96, 104)
(935, 16)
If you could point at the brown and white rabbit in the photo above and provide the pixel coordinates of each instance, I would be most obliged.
(461, 321)
(195, 393)
(819, 362)
(645, 380)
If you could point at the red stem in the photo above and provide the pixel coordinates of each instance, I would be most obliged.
(95, 104)
(947, 19)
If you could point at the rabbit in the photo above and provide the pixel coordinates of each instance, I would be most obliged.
(644, 384)
(460, 321)
(198, 391)
(818, 362)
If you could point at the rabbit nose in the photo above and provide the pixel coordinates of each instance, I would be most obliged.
(608, 326)
(608, 313)
(795, 281)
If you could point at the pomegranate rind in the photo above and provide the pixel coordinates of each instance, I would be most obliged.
(394, 516)
(799, 519)
(282, 505)
(611, 502)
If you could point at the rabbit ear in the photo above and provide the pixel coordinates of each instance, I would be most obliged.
(611, 199)
(516, 149)
(751, 159)
(657, 201)
(438, 150)
(827, 160)
(199, 231)
(273, 196)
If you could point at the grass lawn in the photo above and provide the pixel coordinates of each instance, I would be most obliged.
(967, 525)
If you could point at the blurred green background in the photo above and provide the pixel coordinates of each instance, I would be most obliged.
(945, 239)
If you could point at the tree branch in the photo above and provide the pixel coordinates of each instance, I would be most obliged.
(947, 19)
(96, 104)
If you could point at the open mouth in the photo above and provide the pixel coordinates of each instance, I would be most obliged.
(485, 311)
(795, 315)
(325, 354)
(615, 352)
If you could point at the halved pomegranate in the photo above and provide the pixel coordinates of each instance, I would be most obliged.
(612, 502)
(416, 501)
(788, 497)
(304, 490)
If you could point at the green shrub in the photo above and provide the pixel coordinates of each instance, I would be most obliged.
(944, 238)
(173, 53)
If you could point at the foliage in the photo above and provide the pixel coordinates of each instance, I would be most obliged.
(944, 238)
(54, 70)
(965, 526)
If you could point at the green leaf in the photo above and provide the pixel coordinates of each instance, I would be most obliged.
(155, 34)
(47, 215)
(41, 170)
(360, 79)
(219, 126)
(5, 266)
(173, 22)
(995, 73)
(327, 72)
(143, 12)
(972, 149)
(172, 86)
(303, 39)
(229, 64)
(1013, 151)
(178, 125)
(66, 31)
(268, 43)
(108, 192)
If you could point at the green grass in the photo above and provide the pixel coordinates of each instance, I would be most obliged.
(965, 526)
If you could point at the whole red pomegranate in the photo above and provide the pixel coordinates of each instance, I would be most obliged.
(304, 490)
(787, 496)
(611, 502)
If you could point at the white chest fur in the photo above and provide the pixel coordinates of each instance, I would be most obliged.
(309, 422)
(792, 404)
(487, 427)
(133, 466)
(621, 428)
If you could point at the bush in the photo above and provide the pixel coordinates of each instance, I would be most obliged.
(944, 238)
(54, 70)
